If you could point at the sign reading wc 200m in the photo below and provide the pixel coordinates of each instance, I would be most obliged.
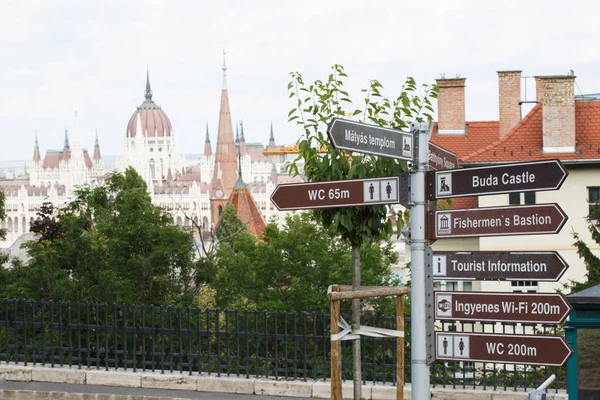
(370, 139)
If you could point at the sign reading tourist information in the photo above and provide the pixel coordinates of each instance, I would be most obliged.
(509, 266)
(518, 349)
(346, 193)
(440, 158)
(535, 219)
(370, 139)
(536, 308)
(506, 178)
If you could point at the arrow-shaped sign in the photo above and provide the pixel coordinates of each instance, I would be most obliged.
(503, 265)
(440, 158)
(533, 219)
(505, 178)
(370, 139)
(535, 308)
(346, 193)
(515, 349)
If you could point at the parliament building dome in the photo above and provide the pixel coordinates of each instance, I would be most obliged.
(149, 118)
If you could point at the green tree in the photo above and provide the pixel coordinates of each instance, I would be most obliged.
(591, 261)
(291, 266)
(108, 244)
(315, 106)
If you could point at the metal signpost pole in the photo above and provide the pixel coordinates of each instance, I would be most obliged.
(420, 369)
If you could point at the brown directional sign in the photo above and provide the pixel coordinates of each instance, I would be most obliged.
(505, 266)
(505, 178)
(514, 349)
(535, 308)
(440, 158)
(370, 139)
(346, 193)
(534, 219)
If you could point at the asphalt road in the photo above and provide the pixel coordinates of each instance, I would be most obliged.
(93, 389)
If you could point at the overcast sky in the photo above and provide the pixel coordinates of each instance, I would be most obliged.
(61, 56)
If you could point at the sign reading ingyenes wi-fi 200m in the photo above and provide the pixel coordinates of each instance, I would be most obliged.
(370, 139)
(538, 308)
(505, 178)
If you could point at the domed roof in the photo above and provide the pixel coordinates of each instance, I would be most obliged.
(153, 121)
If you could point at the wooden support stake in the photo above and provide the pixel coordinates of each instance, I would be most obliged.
(336, 351)
(400, 350)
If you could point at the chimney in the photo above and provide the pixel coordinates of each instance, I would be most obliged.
(509, 89)
(557, 95)
(451, 106)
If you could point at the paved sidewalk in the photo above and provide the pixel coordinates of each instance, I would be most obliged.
(43, 389)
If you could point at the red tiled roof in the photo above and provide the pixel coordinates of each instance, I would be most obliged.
(52, 159)
(478, 134)
(524, 142)
(246, 210)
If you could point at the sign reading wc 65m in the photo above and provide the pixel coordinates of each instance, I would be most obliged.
(346, 193)
(370, 139)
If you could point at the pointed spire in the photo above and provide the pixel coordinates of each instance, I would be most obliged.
(239, 184)
(224, 68)
(242, 139)
(36, 150)
(66, 153)
(97, 155)
(148, 93)
(66, 144)
(207, 146)
(272, 135)
(225, 154)
(237, 134)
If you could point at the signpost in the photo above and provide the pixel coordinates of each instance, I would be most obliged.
(535, 308)
(517, 349)
(489, 265)
(440, 158)
(370, 139)
(345, 193)
(506, 178)
(535, 219)
(425, 188)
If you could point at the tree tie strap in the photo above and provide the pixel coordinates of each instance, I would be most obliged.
(348, 333)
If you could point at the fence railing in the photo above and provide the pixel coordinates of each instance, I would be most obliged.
(232, 342)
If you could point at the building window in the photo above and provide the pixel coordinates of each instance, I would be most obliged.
(593, 200)
(524, 286)
(515, 199)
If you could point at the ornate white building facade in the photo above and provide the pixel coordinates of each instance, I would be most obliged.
(186, 191)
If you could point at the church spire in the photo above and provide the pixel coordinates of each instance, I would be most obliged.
(224, 68)
(243, 149)
(66, 154)
(237, 133)
(36, 150)
(272, 136)
(97, 155)
(148, 93)
(66, 144)
(207, 146)
(225, 154)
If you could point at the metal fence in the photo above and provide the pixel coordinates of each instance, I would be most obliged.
(231, 343)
